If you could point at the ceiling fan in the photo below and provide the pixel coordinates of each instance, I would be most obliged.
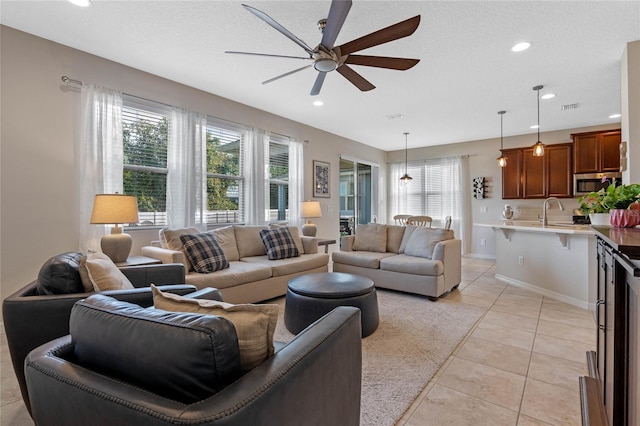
(326, 57)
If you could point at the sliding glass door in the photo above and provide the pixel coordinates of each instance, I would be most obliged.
(358, 194)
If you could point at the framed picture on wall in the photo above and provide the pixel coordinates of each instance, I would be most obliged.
(321, 173)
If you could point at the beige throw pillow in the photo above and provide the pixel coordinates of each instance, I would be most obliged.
(102, 273)
(227, 239)
(371, 237)
(249, 240)
(424, 240)
(394, 238)
(254, 324)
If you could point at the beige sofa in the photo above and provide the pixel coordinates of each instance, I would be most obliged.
(412, 259)
(251, 277)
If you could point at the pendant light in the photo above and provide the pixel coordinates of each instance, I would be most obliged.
(538, 147)
(502, 160)
(405, 177)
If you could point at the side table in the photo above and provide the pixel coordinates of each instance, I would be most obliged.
(325, 242)
(139, 261)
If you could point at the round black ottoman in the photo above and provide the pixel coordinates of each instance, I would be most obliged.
(311, 296)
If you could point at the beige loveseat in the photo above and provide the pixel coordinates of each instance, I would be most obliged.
(408, 258)
(251, 277)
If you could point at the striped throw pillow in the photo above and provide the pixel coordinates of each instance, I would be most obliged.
(204, 252)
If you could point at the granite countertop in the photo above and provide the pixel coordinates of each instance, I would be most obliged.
(624, 240)
(536, 226)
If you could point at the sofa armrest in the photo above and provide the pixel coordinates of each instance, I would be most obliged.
(309, 244)
(449, 252)
(144, 276)
(346, 242)
(296, 376)
(166, 255)
(207, 293)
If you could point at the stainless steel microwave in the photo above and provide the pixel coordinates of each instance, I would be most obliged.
(592, 182)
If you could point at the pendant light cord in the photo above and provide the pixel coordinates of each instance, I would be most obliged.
(539, 113)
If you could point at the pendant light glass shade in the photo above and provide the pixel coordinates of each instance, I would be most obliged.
(502, 160)
(538, 147)
(405, 177)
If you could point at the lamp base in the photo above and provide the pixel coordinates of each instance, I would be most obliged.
(309, 229)
(116, 246)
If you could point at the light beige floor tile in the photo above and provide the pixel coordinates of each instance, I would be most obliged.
(519, 291)
(15, 414)
(444, 406)
(461, 297)
(489, 285)
(510, 320)
(552, 404)
(504, 335)
(518, 299)
(556, 371)
(473, 290)
(508, 358)
(487, 383)
(490, 279)
(556, 305)
(568, 318)
(512, 308)
(567, 332)
(463, 284)
(560, 348)
(530, 421)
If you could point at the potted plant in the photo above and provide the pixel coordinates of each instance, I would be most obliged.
(594, 206)
(622, 200)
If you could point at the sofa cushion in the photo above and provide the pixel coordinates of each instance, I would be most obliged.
(254, 324)
(408, 231)
(295, 233)
(238, 272)
(249, 241)
(227, 238)
(423, 241)
(170, 239)
(279, 243)
(394, 238)
(292, 265)
(371, 237)
(102, 273)
(412, 265)
(181, 356)
(365, 259)
(204, 252)
(60, 275)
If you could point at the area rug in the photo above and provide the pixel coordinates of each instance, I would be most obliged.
(414, 338)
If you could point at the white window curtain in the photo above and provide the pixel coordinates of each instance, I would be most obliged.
(187, 169)
(440, 187)
(256, 176)
(100, 155)
(296, 182)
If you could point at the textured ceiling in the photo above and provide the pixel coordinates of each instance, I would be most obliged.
(466, 74)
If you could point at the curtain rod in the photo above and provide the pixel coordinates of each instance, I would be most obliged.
(437, 158)
(70, 81)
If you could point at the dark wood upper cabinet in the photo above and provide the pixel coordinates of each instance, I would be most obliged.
(526, 176)
(596, 152)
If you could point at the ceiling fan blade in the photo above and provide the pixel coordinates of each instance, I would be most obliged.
(286, 74)
(356, 79)
(269, 20)
(401, 64)
(266, 54)
(385, 35)
(337, 15)
(315, 90)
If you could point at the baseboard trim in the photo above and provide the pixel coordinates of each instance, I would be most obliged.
(552, 294)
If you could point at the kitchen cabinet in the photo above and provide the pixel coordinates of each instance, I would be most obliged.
(527, 176)
(596, 152)
(612, 392)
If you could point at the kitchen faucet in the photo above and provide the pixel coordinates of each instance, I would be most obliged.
(544, 209)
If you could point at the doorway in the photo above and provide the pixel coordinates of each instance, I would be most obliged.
(358, 194)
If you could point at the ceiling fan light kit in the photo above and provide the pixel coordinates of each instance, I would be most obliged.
(538, 147)
(326, 57)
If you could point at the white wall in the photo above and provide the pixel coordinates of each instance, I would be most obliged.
(38, 210)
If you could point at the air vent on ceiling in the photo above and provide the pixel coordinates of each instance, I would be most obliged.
(568, 107)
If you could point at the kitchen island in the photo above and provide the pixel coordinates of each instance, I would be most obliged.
(554, 260)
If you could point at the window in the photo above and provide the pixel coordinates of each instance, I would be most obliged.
(225, 184)
(145, 134)
(278, 179)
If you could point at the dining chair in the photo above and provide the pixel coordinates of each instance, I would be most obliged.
(420, 221)
(447, 222)
(401, 219)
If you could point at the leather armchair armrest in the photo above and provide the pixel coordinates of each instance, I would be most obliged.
(207, 293)
(144, 276)
(346, 242)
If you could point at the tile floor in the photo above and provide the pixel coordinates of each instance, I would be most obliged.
(518, 366)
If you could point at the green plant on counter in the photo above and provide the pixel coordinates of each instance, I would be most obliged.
(613, 197)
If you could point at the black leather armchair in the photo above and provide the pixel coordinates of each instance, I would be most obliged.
(313, 380)
(31, 319)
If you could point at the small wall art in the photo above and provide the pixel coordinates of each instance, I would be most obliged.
(321, 173)
(478, 187)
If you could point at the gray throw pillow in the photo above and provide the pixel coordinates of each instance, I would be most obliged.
(371, 237)
(424, 240)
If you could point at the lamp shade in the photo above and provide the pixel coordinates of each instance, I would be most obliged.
(114, 209)
(310, 209)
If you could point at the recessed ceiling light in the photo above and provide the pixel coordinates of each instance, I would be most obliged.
(81, 3)
(318, 103)
(548, 96)
(521, 46)
(535, 126)
(615, 116)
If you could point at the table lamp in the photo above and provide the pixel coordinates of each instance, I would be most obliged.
(115, 209)
(310, 209)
